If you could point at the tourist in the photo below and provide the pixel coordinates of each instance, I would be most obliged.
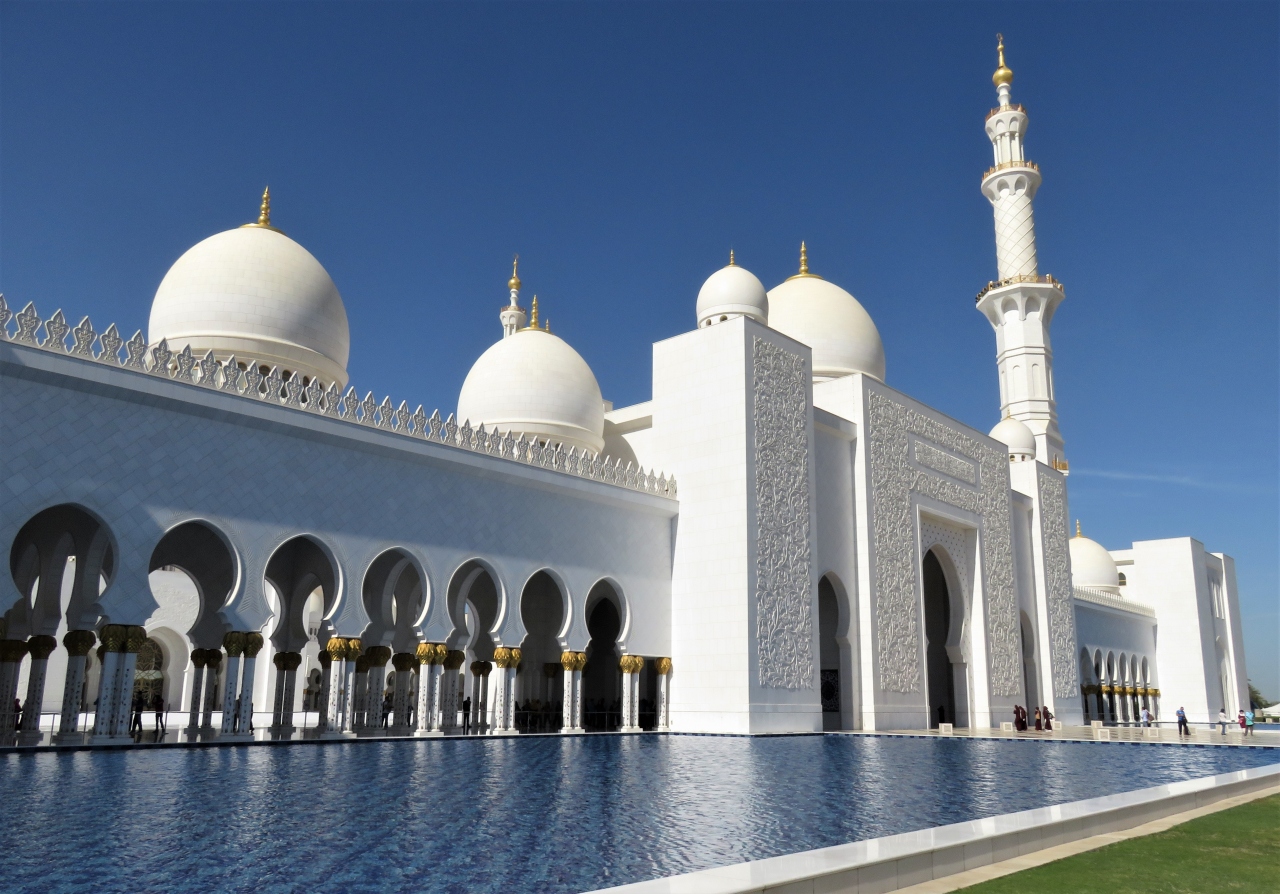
(1248, 722)
(1240, 720)
(138, 706)
(17, 713)
(1039, 725)
(235, 718)
(157, 705)
(1048, 718)
(386, 710)
(1222, 720)
(1146, 717)
(466, 715)
(1182, 722)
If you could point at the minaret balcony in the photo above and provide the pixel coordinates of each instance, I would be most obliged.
(1046, 279)
(1014, 107)
(1005, 165)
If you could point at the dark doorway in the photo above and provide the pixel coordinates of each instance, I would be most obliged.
(937, 628)
(601, 694)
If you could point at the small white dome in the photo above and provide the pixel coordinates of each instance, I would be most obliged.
(730, 292)
(1092, 566)
(1017, 437)
(533, 383)
(829, 320)
(255, 293)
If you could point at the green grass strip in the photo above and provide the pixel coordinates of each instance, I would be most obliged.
(1233, 850)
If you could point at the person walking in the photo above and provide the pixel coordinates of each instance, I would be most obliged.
(1146, 717)
(1048, 719)
(1240, 720)
(1223, 720)
(138, 707)
(1039, 723)
(466, 715)
(1182, 722)
(1248, 722)
(157, 705)
(386, 710)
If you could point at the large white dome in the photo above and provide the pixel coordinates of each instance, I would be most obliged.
(829, 320)
(1092, 566)
(533, 383)
(255, 293)
(731, 292)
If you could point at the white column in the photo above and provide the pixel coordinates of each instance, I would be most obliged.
(663, 666)
(234, 643)
(571, 709)
(322, 698)
(449, 700)
(630, 665)
(428, 688)
(479, 695)
(360, 695)
(252, 646)
(11, 652)
(405, 663)
(198, 660)
(290, 689)
(39, 648)
(104, 708)
(213, 661)
(354, 652)
(134, 638)
(280, 660)
(78, 644)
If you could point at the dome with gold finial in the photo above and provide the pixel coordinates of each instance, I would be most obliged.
(254, 293)
(533, 383)
(829, 320)
(732, 292)
(1091, 564)
(1003, 76)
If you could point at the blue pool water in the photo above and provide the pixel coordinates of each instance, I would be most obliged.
(541, 815)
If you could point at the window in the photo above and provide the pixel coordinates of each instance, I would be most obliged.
(1123, 579)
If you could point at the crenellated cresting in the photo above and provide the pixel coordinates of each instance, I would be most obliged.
(245, 379)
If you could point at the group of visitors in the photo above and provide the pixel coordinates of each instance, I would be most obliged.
(1043, 718)
(139, 706)
(1243, 718)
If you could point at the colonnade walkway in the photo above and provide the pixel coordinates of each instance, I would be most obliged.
(1161, 734)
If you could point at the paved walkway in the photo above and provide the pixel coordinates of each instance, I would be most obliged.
(1150, 735)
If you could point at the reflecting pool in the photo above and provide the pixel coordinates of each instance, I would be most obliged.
(538, 814)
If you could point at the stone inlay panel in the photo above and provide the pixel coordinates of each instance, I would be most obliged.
(894, 478)
(784, 622)
(1057, 571)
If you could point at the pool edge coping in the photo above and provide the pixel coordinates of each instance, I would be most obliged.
(893, 862)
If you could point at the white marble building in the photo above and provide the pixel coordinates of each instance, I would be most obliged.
(208, 513)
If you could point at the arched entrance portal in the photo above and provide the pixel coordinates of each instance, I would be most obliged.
(601, 679)
(829, 662)
(937, 631)
(539, 680)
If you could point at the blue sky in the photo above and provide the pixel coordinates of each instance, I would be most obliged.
(622, 149)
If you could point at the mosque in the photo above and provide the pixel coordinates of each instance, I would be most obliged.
(776, 541)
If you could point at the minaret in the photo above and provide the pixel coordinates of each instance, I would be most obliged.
(512, 315)
(1021, 303)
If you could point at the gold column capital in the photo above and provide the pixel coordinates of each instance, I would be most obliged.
(234, 643)
(253, 643)
(78, 642)
(134, 638)
(662, 666)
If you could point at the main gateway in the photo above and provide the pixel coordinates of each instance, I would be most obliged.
(776, 541)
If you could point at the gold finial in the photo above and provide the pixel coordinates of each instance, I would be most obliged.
(533, 314)
(731, 261)
(1078, 534)
(804, 265)
(514, 282)
(264, 212)
(1003, 75)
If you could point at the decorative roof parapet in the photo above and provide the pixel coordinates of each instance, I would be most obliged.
(1102, 597)
(244, 379)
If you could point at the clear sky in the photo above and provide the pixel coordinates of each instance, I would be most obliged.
(623, 149)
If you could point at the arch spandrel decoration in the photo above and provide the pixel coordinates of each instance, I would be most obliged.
(1057, 568)
(893, 479)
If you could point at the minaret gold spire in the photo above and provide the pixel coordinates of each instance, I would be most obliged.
(1004, 75)
(1078, 534)
(514, 282)
(533, 314)
(731, 261)
(264, 212)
